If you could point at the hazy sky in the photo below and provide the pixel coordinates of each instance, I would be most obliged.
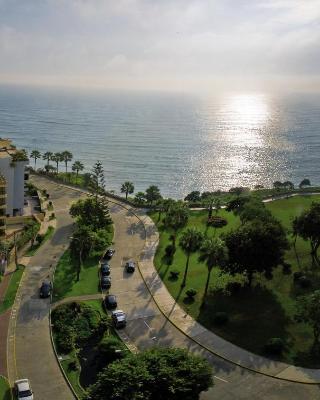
(169, 44)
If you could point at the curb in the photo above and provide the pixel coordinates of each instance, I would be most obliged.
(177, 327)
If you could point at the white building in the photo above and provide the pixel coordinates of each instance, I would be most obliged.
(12, 171)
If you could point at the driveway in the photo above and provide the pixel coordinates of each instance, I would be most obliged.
(146, 325)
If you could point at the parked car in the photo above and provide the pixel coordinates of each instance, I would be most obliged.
(130, 266)
(108, 254)
(23, 390)
(110, 301)
(105, 269)
(45, 289)
(105, 282)
(119, 319)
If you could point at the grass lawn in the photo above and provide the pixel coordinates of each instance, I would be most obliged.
(5, 391)
(65, 278)
(12, 289)
(255, 315)
(32, 250)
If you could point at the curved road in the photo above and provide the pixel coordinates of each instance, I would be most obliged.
(146, 326)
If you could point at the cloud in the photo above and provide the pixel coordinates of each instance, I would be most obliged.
(160, 42)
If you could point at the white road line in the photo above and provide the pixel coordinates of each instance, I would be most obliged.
(220, 379)
(149, 327)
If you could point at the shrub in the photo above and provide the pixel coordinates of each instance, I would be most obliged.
(52, 216)
(50, 203)
(39, 238)
(73, 366)
(220, 318)
(191, 293)
(297, 276)
(216, 221)
(274, 346)
(304, 282)
(286, 268)
(47, 195)
(174, 275)
(233, 287)
(170, 250)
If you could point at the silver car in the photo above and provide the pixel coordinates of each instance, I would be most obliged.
(119, 318)
(23, 389)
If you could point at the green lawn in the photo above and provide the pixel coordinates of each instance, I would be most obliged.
(65, 278)
(32, 250)
(12, 289)
(5, 392)
(254, 316)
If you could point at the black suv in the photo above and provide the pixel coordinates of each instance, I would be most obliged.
(105, 269)
(45, 289)
(130, 266)
(110, 301)
(108, 254)
(105, 282)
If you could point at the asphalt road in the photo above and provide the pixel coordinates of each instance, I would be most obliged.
(146, 325)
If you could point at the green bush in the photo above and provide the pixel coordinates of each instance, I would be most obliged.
(220, 318)
(174, 275)
(39, 238)
(217, 222)
(274, 346)
(191, 293)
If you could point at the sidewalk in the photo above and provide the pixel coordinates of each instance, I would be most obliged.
(199, 334)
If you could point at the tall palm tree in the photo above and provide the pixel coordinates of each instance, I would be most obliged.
(35, 154)
(190, 242)
(214, 253)
(127, 188)
(66, 157)
(47, 156)
(76, 167)
(57, 157)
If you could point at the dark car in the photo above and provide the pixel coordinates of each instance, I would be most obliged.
(108, 254)
(45, 289)
(105, 269)
(105, 282)
(119, 319)
(110, 301)
(130, 266)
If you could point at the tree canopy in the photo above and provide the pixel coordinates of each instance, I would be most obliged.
(156, 374)
(152, 194)
(127, 188)
(256, 246)
(307, 225)
(308, 311)
(91, 213)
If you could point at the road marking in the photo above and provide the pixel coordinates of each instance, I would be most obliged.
(148, 326)
(220, 379)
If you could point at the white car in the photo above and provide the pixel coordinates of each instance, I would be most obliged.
(119, 319)
(23, 389)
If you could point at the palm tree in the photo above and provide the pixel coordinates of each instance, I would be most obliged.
(127, 188)
(66, 157)
(190, 242)
(47, 156)
(35, 154)
(214, 253)
(57, 157)
(77, 166)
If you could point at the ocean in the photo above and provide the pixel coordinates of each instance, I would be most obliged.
(180, 142)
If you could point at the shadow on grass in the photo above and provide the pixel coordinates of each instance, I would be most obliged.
(255, 316)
